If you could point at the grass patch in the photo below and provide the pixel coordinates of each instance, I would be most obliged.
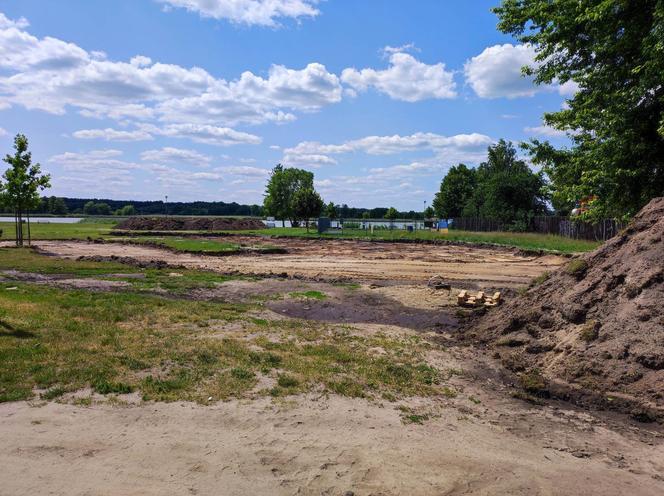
(168, 348)
(540, 279)
(577, 268)
(528, 241)
(589, 331)
(79, 230)
(313, 295)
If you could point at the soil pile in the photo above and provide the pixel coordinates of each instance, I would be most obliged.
(189, 224)
(593, 330)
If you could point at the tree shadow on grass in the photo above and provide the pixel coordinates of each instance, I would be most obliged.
(9, 331)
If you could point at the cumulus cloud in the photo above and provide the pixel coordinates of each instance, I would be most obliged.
(209, 135)
(110, 134)
(405, 79)
(51, 75)
(251, 12)
(496, 73)
(455, 147)
(175, 155)
(253, 99)
(6, 23)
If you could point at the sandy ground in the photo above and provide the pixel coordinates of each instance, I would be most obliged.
(315, 446)
(356, 260)
(481, 442)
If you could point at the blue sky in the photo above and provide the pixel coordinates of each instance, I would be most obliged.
(198, 99)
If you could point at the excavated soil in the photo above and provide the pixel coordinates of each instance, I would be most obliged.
(189, 224)
(361, 261)
(594, 329)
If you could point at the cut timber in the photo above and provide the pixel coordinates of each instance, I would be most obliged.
(466, 300)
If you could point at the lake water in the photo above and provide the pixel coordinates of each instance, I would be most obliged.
(47, 220)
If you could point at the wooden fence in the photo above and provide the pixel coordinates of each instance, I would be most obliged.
(561, 226)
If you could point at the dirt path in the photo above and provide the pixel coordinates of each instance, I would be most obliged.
(357, 260)
(314, 446)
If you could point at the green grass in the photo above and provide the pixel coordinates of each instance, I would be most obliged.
(314, 295)
(80, 230)
(187, 244)
(529, 241)
(96, 228)
(173, 348)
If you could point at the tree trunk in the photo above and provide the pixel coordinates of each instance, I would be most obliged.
(16, 224)
(29, 238)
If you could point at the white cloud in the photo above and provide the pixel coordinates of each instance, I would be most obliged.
(405, 79)
(175, 155)
(258, 12)
(51, 75)
(93, 161)
(6, 23)
(496, 72)
(110, 134)
(452, 147)
(3, 132)
(545, 131)
(209, 135)
(408, 47)
(253, 99)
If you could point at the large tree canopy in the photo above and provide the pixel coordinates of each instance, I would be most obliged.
(280, 194)
(614, 51)
(456, 189)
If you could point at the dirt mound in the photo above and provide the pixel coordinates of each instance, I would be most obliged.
(189, 224)
(593, 330)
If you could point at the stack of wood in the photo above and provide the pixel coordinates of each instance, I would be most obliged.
(465, 299)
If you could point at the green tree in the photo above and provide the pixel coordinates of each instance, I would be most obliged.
(90, 208)
(456, 188)
(429, 212)
(506, 188)
(331, 211)
(281, 188)
(614, 52)
(22, 183)
(125, 211)
(56, 206)
(307, 204)
(366, 215)
(391, 214)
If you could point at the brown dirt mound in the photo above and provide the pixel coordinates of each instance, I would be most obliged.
(593, 331)
(189, 224)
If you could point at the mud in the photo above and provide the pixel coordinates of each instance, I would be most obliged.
(340, 303)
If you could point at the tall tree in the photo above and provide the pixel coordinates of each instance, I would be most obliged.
(506, 189)
(456, 189)
(282, 185)
(22, 183)
(331, 211)
(307, 204)
(614, 52)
